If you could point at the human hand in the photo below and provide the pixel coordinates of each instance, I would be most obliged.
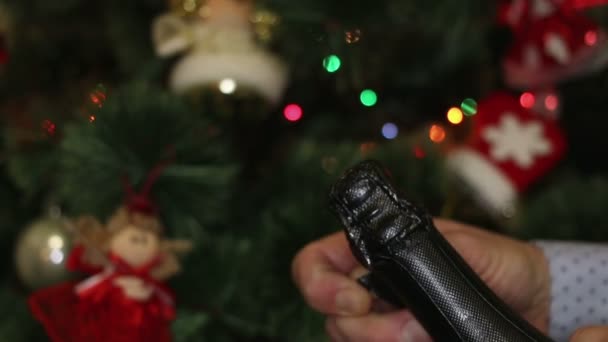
(325, 273)
(591, 334)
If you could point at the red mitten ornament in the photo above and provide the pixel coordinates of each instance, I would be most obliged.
(510, 148)
(553, 43)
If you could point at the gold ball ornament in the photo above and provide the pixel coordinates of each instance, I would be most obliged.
(41, 253)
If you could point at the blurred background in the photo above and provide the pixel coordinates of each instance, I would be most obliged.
(489, 112)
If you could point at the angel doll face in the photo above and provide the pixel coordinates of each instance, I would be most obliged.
(135, 246)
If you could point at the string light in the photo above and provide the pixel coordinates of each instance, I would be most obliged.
(455, 116)
(527, 100)
(390, 130)
(332, 63)
(92, 118)
(292, 112)
(551, 102)
(368, 97)
(98, 96)
(227, 86)
(353, 36)
(591, 37)
(49, 126)
(437, 134)
(469, 107)
(419, 152)
(367, 147)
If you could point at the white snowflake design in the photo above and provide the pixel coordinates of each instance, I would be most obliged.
(520, 142)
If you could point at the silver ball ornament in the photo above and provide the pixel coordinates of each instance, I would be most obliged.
(41, 253)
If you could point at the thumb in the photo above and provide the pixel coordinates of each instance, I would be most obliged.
(591, 334)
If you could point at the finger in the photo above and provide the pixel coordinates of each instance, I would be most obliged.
(399, 326)
(591, 334)
(447, 226)
(332, 330)
(321, 272)
(358, 272)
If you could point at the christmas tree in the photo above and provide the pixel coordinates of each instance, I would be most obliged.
(232, 118)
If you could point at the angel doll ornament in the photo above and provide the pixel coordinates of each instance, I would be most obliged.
(221, 51)
(125, 298)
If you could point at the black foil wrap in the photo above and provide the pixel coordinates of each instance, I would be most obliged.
(412, 265)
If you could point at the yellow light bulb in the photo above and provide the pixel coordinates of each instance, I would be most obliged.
(455, 115)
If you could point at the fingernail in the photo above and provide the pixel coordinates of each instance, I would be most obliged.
(349, 302)
(414, 332)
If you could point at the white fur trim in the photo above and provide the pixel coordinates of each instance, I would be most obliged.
(493, 188)
(257, 70)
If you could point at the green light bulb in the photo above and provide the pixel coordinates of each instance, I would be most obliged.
(469, 107)
(332, 63)
(368, 97)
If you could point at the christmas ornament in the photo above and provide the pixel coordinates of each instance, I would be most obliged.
(222, 51)
(124, 298)
(41, 252)
(553, 43)
(510, 148)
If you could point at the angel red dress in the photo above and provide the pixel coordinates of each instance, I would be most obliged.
(96, 310)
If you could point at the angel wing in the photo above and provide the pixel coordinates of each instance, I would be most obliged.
(171, 34)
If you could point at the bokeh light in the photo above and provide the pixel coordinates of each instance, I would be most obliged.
(390, 130)
(527, 100)
(469, 107)
(367, 147)
(591, 37)
(455, 116)
(292, 112)
(55, 242)
(227, 86)
(332, 63)
(551, 102)
(49, 127)
(352, 36)
(437, 134)
(368, 97)
(419, 152)
(56, 256)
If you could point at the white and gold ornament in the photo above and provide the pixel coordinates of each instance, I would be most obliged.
(221, 50)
